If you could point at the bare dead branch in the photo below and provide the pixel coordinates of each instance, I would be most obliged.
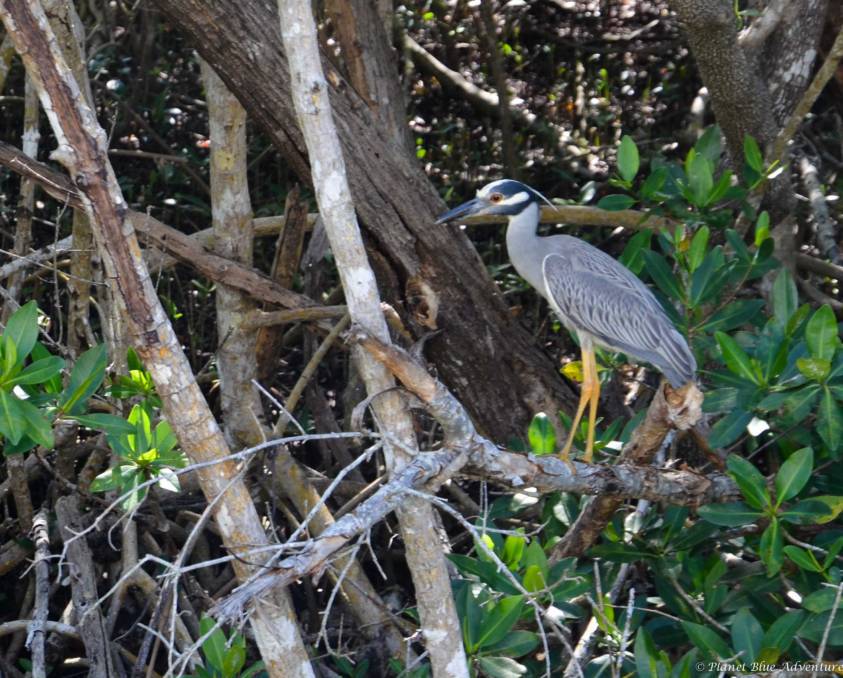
(83, 582)
(465, 448)
(36, 633)
(824, 225)
(670, 410)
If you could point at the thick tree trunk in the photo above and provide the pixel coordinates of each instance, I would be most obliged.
(740, 100)
(483, 354)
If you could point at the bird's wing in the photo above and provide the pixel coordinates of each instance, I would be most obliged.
(599, 296)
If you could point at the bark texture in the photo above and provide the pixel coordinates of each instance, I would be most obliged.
(439, 621)
(788, 55)
(233, 239)
(740, 100)
(82, 149)
(483, 353)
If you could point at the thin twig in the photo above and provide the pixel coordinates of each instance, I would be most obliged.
(828, 625)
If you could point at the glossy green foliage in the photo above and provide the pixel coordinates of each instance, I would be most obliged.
(225, 657)
(771, 369)
(33, 397)
(147, 453)
(30, 384)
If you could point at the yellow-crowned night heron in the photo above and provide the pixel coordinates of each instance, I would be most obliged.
(596, 297)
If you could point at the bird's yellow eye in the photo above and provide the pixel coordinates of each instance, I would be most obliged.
(496, 197)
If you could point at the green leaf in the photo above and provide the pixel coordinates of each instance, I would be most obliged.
(736, 358)
(470, 615)
(214, 646)
(9, 352)
(797, 319)
(804, 559)
(535, 556)
(815, 369)
(646, 654)
(729, 428)
(832, 553)
(712, 645)
(541, 435)
(793, 474)
(720, 400)
(708, 145)
(736, 242)
(501, 667)
(107, 423)
(654, 182)
(499, 621)
(621, 552)
(753, 155)
(533, 580)
(722, 186)
(661, 274)
(701, 279)
(813, 511)
(85, 379)
(39, 371)
(109, 479)
(820, 601)
(700, 179)
(165, 439)
(615, 202)
(770, 548)
(828, 625)
(762, 228)
(235, 657)
(516, 644)
(821, 333)
(631, 257)
(484, 571)
(747, 635)
(37, 427)
(628, 161)
(799, 402)
(833, 504)
(168, 480)
(752, 484)
(830, 422)
(733, 315)
(781, 632)
(513, 549)
(729, 515)
(699, 243)
(132, 479)
(12, 419)
(22, 329)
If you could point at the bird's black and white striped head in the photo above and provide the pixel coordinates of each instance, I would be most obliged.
(504, 197)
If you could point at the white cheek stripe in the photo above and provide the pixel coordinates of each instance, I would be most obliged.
(519, 197)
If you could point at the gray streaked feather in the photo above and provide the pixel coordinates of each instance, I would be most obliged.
(595, 294)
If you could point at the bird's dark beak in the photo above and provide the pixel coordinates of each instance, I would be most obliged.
(464, 210)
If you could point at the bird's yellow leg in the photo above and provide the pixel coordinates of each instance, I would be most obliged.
(585, 395)
(593, 401)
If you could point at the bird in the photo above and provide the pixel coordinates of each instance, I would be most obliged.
(595, 296)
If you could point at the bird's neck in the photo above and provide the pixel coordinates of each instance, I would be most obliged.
(525, 246)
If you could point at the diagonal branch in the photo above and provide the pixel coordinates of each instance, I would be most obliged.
(465, 451)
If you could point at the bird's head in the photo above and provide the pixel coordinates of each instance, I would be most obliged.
(504, 197)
